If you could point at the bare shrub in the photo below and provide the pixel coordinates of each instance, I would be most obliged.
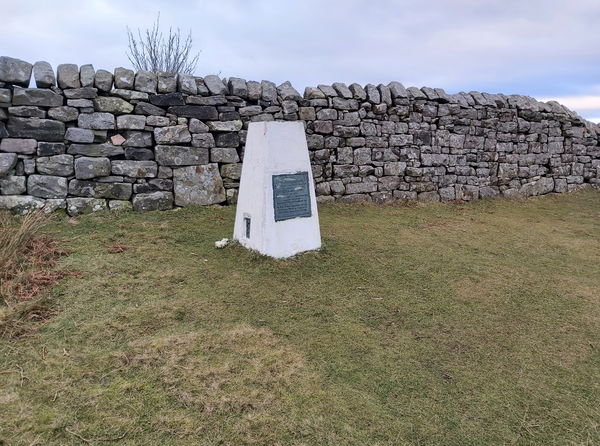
(152, 51)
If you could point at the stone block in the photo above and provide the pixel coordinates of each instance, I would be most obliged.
(146, 81)
(96, 121)
(43, 75)
(224, 155)
(115, 191)
(18, 145)
(47, 186)
(131, 122)
(124, 78)
(172, 135)
(180, 155)
(154, 201)
(75, 134)
(92, 167)
(95, 150)
(68, 76)
(37, 97)
(8, 161)
(21, 204)
(57, 165)
(114, 105)
(63, 113)
(79, 206)
(103, 80)
(15, 71)
(12, 185)
(135, 169)
(198, 185)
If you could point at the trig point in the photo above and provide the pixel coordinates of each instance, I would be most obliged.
(277, 208)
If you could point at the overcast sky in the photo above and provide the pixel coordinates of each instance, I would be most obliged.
(549, 49)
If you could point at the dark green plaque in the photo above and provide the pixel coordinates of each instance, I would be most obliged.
(291, 196)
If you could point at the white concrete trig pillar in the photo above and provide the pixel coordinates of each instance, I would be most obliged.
(277, 209)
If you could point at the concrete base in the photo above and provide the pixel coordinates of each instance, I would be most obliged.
(276, 148)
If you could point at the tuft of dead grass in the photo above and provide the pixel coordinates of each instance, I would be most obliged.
(27, 262)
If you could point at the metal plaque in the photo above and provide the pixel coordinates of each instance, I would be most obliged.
(291, 196)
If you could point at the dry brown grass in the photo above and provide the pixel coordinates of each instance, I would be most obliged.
(27, 262)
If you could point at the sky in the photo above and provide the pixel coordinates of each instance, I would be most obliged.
(548, 49)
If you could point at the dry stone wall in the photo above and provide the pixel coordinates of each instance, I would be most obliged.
(86, 140)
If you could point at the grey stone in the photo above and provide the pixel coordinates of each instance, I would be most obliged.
(187, 84)
(342, 90)
(131, 122)
(12, 185)
(254, 90)
(15, 71)
(95, 150)
(92, 167)
(144, 108)
(138, 139)
(358, 92)
(86, 75)
(96, 121)
(135, 169)
(53, 204)
(139, 154)
(166, 82)
(231, 171)
(215, 85)
(37, 97)
(47, 186)
(68, 76)
(7, 162)
(172, 135)
(75, 134)
(124, 78)
(397, 90)
(224, 155)
(3, 131)
(115, 191)
(180, 156)
(313, 93)
(80, 206)
(50, 148)
(198, 185)
(231, 139)
(153, 201)
(202, 112)
(27, 111)
(288, 93)
(130, 95)
(103, 80)
(238, 87)
(157, 121)
(327, 90)
(63, 113)
(269, 91)
(205, 140)
(81, 93)
(201, 86)
(207, 100)
(112, 105)
(542, 186)
(5, 96)
(120, 205)
(43, 75)
(40, 129)
(250, 110)
(80, 103)
(168, 99)
(21, 204)
(58, 165)
(18, 145)
(224, 126)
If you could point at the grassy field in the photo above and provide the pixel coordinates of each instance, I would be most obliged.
(453, 324)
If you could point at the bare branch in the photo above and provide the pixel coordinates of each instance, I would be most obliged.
(151, 51)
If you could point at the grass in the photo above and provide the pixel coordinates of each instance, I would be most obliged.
(457, 324)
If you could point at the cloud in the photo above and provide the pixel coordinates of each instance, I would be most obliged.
(542, 48)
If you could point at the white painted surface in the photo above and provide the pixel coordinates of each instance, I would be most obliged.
(274, 148)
